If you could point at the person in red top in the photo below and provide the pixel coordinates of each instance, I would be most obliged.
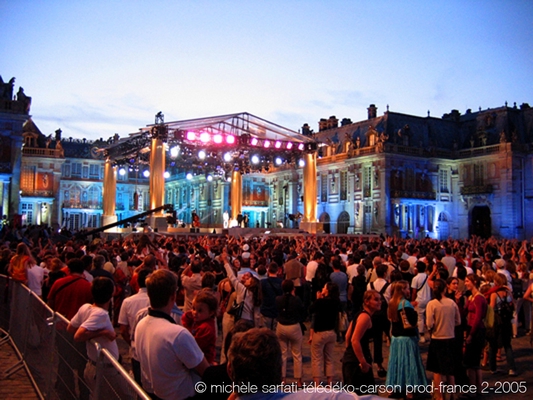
(68, 294)
(200, 321)
(475, 341)
(66, 297)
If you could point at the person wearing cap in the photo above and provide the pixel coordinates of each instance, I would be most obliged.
(245, 251)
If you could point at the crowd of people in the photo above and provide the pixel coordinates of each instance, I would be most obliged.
(171, 298)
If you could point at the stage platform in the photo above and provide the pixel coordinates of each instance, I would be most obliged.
(245, 233)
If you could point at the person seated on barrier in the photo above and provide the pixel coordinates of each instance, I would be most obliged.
(171, 360)
(92, 322)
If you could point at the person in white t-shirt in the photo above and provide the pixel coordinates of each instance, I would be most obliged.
(420, 296)
(170, 357)
(92, 322)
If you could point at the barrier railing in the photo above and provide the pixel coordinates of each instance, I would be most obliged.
(57, 365)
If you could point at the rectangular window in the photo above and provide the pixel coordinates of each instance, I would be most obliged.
(27, 213)
(27, 180)
(324, 188)
(443, 181)
(66, 170)
(344, 185)
(94, 171)
(410, 181)
(479, 179)
(85, 172)
(76, 170)
(367, 181)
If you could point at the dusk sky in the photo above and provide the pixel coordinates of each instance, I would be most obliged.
(94, 68)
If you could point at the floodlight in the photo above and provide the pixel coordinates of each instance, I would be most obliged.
(174, 151)
(230, 139)
(205, 137)
(166, 174)
(217, 138)
(227, 157)
(201, 154)
(146, 173)
(189, 176)
(279, 161)
(122, 171)
(191, 136)
(255, 159)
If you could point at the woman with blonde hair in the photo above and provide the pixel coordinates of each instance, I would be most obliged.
(405, 364)
(357, 359)
(20, 263)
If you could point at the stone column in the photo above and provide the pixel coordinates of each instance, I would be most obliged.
(109, 193)
(236, 194)
(309, 186)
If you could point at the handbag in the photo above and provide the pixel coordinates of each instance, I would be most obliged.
(343, 322)
(237, 308)
(405, 321)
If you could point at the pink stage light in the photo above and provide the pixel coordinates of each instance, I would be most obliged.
(191, 136)
(217, 138)
(289, 145)
(254, 142)
(205, 137)
(266, 144)
(301, 146)
(278, 144)
(230, 139)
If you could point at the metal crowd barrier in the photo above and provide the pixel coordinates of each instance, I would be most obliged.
(57, 365)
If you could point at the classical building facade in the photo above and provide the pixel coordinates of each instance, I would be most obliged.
(396, 174)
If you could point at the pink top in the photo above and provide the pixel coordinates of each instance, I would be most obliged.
(477, 309)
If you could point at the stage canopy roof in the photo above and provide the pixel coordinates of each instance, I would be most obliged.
(221, 142)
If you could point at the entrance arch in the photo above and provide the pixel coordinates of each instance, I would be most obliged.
(343, 222)
(480, 223)
(325, 220)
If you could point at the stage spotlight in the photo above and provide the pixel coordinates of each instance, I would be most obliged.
(228, 179)
(230, 139)
(255, 159)
(279, 161)
(146, 173)
(122, 171)
(209, 178)
(217, 138)
(166, 174)
(191, 136)
(227, 157)
(254, 141)
(301, 146)
(201, 154)
(174, 151)
(301, 163)
(266, 144)
(205, 137)
(289, 145)
(189, 176)
(278, 144)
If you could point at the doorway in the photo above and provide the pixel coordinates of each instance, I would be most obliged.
(480, 222)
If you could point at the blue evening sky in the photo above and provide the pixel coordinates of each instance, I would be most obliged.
(94, 68)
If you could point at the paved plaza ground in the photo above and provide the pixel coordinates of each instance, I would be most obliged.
(499, 386)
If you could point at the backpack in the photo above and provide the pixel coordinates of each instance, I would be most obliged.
(518, 290)
(504, 310)
(384, 304)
